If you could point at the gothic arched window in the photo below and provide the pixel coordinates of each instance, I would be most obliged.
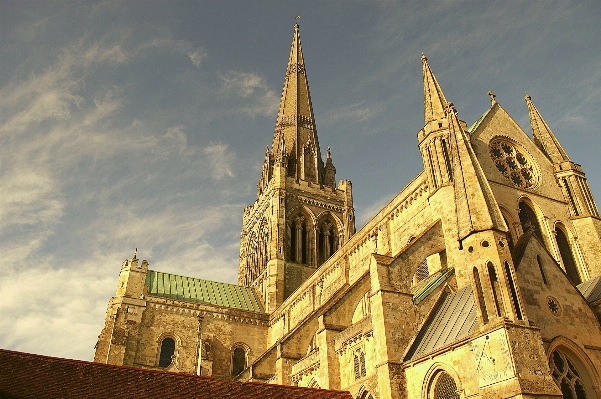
(496, 289)
(238, 361)
(566, 256)
(480, 295)
(366, 395)
(444, 387)
(567, 376)
(529, 221)
(299, 240)
(167, 352)
(513, 291)
(359, 364)
(327, 241)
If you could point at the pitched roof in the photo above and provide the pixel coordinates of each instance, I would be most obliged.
(24, 375)
(198, 290)
(428, 285)
(591, 289)
(453, 318)
(478, 122)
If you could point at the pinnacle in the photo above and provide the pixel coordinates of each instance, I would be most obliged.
(434, 99)
(477, 209)
(543, 136)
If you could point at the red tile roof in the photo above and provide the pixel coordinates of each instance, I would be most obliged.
(24, 375)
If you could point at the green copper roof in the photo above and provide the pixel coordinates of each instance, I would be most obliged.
(427, 286)
(477, 123)
(197, 290)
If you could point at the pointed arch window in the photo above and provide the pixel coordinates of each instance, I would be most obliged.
(443, 386)
(496, 290)
(366, 395)
(447, 159)
(566, 256)
(513, 291)
(327, 240)
(299, 240)
(359, 364)
(480, 296)
(238, 361)
(509, 235)
(567, 376)
(529, 221)
(167, 352)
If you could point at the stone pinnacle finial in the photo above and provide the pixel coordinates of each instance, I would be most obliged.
(329, 153)
(135, 253)
(434, 100)
(492, 97)
(527, 97)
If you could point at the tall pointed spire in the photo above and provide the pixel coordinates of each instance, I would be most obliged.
(477, 209)
(296, 121)
(543, 136)
(434, 99)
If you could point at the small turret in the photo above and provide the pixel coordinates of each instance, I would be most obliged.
(132, 278)
(330, 172)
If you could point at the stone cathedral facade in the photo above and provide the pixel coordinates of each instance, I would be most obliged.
(481, 278)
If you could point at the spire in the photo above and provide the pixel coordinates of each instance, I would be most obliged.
(477, 209)
(296, 122)
(543, 136)
(434, 99)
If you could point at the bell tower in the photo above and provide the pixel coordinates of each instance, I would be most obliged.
(301, 216)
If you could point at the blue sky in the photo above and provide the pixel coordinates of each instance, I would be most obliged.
(144, 124)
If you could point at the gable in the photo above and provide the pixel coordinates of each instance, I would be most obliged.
(549, 298)
(496, 125)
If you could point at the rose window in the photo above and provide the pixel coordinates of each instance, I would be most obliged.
(514, 163)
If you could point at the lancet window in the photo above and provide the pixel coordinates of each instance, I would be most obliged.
(496, 290)
(359, 364)
(327, 239)
(513, 291)
(167, 352)
(566, 256)
(529, 221)
(298, 230)
(238, 360)
(480, 295)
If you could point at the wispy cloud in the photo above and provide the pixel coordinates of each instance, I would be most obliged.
(260, 100)
(196, 57)
(353, 113)
(220, 160)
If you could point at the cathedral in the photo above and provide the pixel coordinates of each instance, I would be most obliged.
(481, 278)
